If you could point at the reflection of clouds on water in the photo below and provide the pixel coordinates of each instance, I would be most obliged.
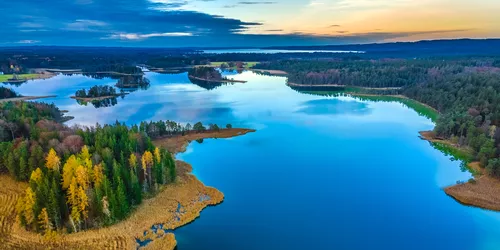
(333, 107)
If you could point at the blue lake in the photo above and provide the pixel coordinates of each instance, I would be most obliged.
(319, 173)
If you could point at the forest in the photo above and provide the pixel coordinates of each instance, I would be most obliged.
(82, 177)
(96, 91)
(7, 93)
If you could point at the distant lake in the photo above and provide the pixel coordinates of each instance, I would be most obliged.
(319, 173)
(274, 51)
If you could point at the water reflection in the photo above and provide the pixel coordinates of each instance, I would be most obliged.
(133, 82)
(108, 102)
(333, 107)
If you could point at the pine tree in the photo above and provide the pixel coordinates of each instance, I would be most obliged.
(52, 161)
(11, 165)
(44, 222)
(132, 161)
(136, 188)
(83, 202)
(98, 175)
(147, 162)
(23, 169)
(157, 155)
(69, 169)
(82, 177)
(53, 204)
(29, 205)
(36, 176)
(122, 200)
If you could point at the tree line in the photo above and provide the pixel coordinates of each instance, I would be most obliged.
(7, 93)
(381, 73)
(469, 103)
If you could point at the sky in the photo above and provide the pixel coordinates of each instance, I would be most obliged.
(243, 23)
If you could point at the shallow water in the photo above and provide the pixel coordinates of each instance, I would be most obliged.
(319, 173)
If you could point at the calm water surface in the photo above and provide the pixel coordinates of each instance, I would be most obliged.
(320, 172)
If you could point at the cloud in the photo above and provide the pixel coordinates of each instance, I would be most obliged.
(342, 31)
(315, 3)
(134, 36)
(253, 3)
(28, 41)
(85, 25)
(158, 23)
(334, 26)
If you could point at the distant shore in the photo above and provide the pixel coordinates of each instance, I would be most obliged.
(175, 205)
(25, 98)
(90, 99)
(483, 191)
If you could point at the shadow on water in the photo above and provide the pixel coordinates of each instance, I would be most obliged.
(208, 85)
(108, 102)
(420, 108)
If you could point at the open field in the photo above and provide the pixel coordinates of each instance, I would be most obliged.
(5, 78)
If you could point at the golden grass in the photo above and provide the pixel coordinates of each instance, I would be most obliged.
(484, 193)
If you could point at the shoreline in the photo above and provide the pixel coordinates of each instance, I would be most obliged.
(90, 99)
(178, 144)
(483, 191)
(222, 80)
(26, 98)
(173, 206)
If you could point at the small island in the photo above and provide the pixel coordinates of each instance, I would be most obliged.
(209, 74)
(97, 93)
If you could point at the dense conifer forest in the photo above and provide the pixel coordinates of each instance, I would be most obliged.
(7, 93)
(82, 177)
(96, 91)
